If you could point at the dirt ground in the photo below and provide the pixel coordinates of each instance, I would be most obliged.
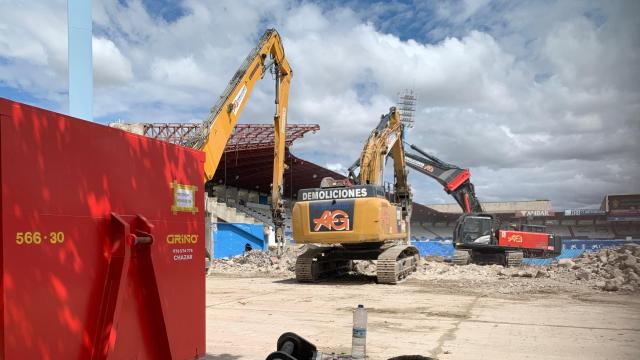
(442, 318)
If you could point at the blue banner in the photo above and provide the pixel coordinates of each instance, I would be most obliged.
(434, 248)
(233, 239)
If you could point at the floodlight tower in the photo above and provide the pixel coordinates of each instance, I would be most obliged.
(407, 99)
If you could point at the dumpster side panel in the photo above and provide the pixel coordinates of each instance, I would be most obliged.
(61, 180)
(2, 352)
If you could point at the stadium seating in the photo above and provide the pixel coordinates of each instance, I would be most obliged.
(422, 232)
(626, 230)
(241, 205)
(560, 230)
(591, 232)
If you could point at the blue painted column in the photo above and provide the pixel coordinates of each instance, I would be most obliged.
(80, 59)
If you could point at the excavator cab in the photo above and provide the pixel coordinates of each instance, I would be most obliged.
(475, 229)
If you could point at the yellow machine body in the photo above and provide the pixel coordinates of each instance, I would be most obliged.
(348, 221)
(359, 218)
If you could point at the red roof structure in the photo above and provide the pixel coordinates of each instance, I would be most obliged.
(253, 170)
(260, 136)
(244, 136)
(247, 162)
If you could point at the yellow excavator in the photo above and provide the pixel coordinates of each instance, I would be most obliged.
(267, 57)
(359, 218)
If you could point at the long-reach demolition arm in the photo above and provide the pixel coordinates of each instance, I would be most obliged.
(384, 140)
(267, 56)
(456, 181)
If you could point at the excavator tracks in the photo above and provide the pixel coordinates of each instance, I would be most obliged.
(396, 263)
(514, 258)
(317, 263)
(511, 258)
(461, 257)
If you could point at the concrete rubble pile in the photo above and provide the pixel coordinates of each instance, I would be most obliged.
(614, 269)
(608, 269)
(253, 262)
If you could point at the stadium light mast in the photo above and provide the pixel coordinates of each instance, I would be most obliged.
(407, 106)
(80, 59)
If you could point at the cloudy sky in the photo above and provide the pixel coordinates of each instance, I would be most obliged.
(540, 99)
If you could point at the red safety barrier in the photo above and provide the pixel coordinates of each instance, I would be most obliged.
(102, 251)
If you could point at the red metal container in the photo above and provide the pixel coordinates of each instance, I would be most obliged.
(524, 239)
(102, 241)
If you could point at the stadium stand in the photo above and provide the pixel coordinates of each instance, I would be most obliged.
(427, 231)
(561, 230)
(427, 224)
(617, 218)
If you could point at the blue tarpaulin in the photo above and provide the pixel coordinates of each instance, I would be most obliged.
(231, 239)
(434, 248)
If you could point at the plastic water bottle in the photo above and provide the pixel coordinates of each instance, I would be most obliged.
(359, 335)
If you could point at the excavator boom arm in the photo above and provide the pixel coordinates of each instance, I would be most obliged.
(455, 180)
(267, 56)
(385, 140)
(380, 143)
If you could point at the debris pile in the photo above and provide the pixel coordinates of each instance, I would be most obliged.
(365, 267)
(429, 270)
(255, 262)
(608, 269)
(614, 269)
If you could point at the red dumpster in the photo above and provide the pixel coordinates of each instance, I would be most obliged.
(102, 241)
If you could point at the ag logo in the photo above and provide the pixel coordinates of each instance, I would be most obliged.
(515, 238)
(337, 220)
(428, 168)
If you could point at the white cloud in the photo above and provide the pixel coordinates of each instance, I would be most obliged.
(337, 167)
(109, 65)
(180, 72)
